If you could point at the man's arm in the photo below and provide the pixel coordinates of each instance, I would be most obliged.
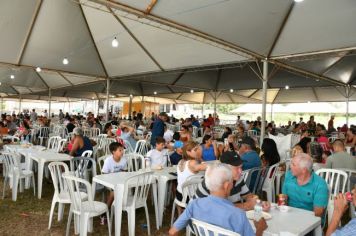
(319, 211)
(340, 206)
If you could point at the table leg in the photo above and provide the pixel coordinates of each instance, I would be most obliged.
(318, 231)
(162, 187)
(40, 178)
(154, 189)
(119, 196)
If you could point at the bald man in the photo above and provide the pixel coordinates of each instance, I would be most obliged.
(340, 159)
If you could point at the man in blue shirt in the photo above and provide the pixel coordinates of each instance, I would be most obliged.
(158, 127)
(304, 188)
(216, 209)
(248, 155)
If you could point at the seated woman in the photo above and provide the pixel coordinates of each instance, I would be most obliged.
(80, 143)
(185, 135)
(108, 130)
(3, 129)
(187, 167)
(270, 154)
(227, 132)
(230, 145)
(209, 149)
(316, 152)
(350, 139)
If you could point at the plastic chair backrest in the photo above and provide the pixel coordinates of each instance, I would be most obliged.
(350, 173)
(101, 161)
(87, 153)
(141, 147)
(135, 161)
(251, 133)
(44, 132)
(203, 229)
(106, 143)
(75, 185)
(256, 178)
(57, 169)
(79, 166)
(53, 143)
(334, 179)
(272, 171)
(189, 187)
(140, 185)
(95, 132)
(128, 147)
(61, 145)
(12, 163)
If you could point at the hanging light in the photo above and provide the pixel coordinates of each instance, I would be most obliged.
(298, 0)
(115, 43)
(65, 61)
(287, 87)
(191, 91)
(155, 93)
(131, 95)
(308, 101)
(92, 98)
(231, 90)
(0, 83)
(12, 77)
(38, 69)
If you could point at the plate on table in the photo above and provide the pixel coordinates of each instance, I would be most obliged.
(251, 215)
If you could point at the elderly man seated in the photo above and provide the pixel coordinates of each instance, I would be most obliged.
(304, 188)
(340, 158)
(216, 208)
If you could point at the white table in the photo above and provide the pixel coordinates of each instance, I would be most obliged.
(41, 157)
(296, 221)
(116, 181)
(163, 176)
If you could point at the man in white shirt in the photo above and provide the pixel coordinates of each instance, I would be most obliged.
(33, 115)
(45, 113)
(158, 156)
(168, 134)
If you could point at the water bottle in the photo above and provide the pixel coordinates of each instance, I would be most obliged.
(258, 210)
(22, 139)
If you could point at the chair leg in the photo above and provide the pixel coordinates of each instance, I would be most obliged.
(34, 185)
(131, 221)
(15, 184)
(148, 221)
(112, 215)
(84, 218)
(53, 205)
(60, 211)
(173, 211)
(69, 220)
(4, 187)
(109, 222)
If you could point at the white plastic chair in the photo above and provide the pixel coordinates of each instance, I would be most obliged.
(61, 194)
(336, 181)
(85, 209)
(128, 147)
(95, 132)
(141, 147)
(135, 162)
(140, 185)
(87, 153)
(189, 188)
(202, 229)
(44, 134)
(53, 143)
(16, 174)
(268, 185)
(101, 161)
(332, 139)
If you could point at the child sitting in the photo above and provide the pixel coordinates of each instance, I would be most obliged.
(158, 156)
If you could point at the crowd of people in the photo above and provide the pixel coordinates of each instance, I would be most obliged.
(223, 196)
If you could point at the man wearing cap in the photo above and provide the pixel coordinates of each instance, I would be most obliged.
(176, 156)
(239, 189)
(249, 156)
(158, 127)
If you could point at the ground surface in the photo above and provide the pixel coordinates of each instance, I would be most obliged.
(29, 216)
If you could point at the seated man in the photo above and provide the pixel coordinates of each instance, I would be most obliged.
(158, 156)
(216, 209)
(248, 155)
(340, 207)
(304, 188)
(239, 189)
(340, 159)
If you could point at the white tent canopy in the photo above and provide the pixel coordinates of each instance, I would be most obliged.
(171, 47)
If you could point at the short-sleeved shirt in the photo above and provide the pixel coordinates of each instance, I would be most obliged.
(111, 166)
(341, 160)
(158, 158)
(175, 158)
(250, 160)
(239, 190)
(347, 230)
(217, 211)
(315, 193)
(208, 153)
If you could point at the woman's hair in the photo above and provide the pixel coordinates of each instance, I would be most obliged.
(303, 143)
(187, 148)
(270, 152)
(106, 127)
(316, 152)
(206, 138)
(228, 130)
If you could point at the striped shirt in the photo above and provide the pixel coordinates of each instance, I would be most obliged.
(347, 230)
(239, 190)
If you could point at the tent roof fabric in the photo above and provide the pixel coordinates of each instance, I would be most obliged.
(172, 47)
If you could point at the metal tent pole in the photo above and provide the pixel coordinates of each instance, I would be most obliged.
(20, 103)
(347, 104)
(2, 102)
(130, 106)
(49, 103)
(264, 98)
(107, 98)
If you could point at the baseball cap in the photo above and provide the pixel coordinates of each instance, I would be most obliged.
(231, 158)
(249, 141)
(178, 144)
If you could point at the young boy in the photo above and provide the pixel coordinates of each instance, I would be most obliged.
(114, 163)
(158, 156)
(176, 156)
